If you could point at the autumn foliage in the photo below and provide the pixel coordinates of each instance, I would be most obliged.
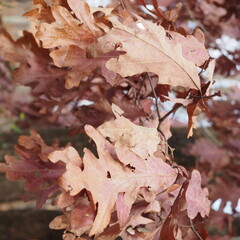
(124, 63)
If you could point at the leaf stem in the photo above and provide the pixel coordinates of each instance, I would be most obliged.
(138, 91)
(194, 230)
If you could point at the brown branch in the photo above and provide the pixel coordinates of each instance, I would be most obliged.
(138, 91)
(156, 100)
(158, 113)
(204, 66)
(175, 108)
(189, 226)
(216, 94)
(194, 230)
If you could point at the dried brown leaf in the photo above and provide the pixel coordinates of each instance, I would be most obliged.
(105, 177)
(151, 53)
(141, 140)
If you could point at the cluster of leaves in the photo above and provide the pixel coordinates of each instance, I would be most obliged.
(217, 18)
(122, 63)
(218, 161)
(129, 190)
(95, 61)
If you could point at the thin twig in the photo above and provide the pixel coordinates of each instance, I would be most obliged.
(158, 113)
(175, 108)
(156, 100)
(122, 4)
(138, 91)
(204, 66)
(194, 230)
(216, 94)
(189, 226)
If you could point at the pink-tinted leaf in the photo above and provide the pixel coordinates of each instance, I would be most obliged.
(158, 56)
(192, 49)
(39, 173)
(141, 140)
(105, 177)
(196, 197)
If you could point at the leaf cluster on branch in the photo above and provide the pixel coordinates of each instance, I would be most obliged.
(124, 65)
(128, 190)
(94, 54)
(218, 161)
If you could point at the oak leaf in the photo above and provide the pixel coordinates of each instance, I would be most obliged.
(172, 15)
(192, 49)
(35, 65)
(41, 13)
(196, 197)
(139, 209)
(141, 140)
(78, 221)
(75, 59)
(151, 53)
(39, 174)
(83, 12)
(65, 31)
(107, 176)
(210, 153)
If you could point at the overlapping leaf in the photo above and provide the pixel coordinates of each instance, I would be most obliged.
(106, 176)
(142, 141)
(39, 173)
(132, 188)
(151, 53)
